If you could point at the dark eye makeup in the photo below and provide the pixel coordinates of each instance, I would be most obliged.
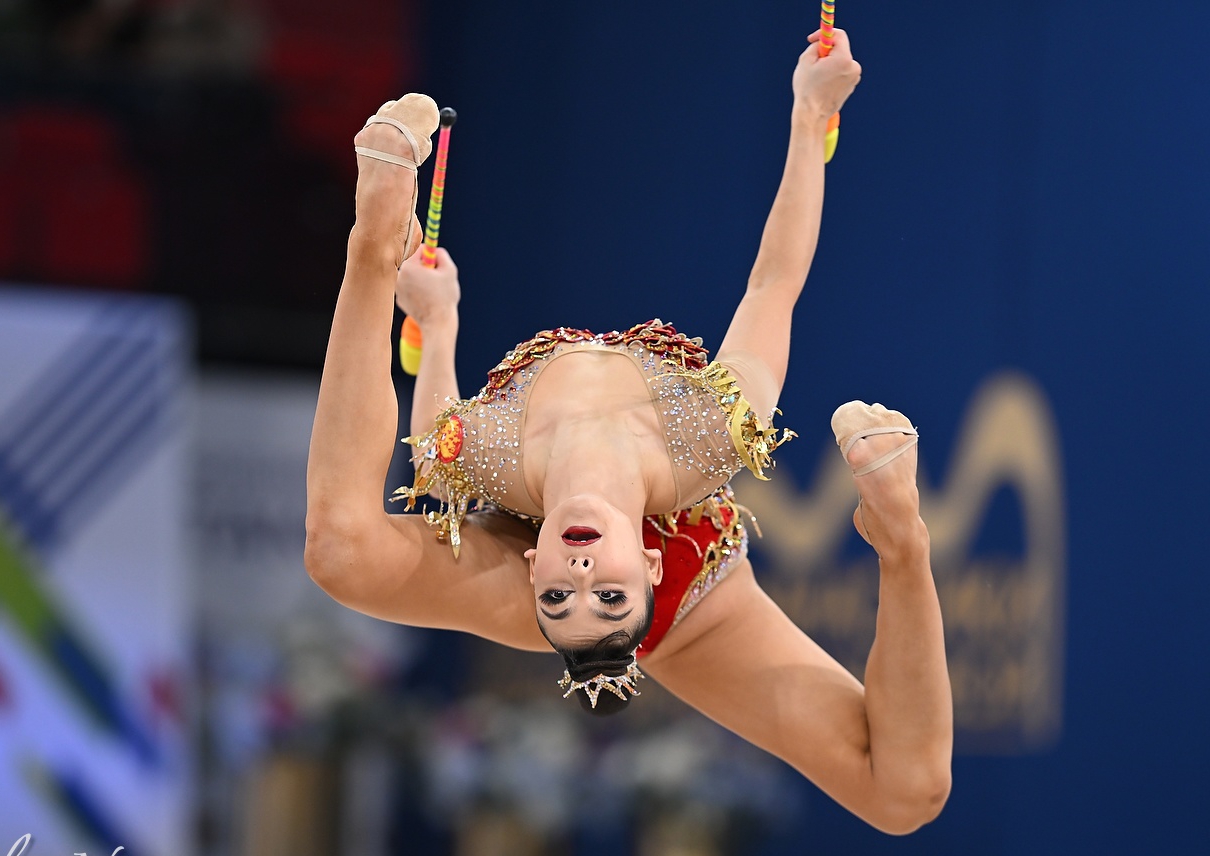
(554, 597)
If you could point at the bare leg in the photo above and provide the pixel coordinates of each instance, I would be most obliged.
(883, 750)
(390, 565)
(907, 697)
(356, 416)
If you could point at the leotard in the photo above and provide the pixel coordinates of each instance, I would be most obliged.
(701, 546)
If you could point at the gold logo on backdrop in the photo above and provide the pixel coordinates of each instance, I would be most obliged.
(1003, 612)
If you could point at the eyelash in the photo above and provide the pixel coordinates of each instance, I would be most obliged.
(554, 597)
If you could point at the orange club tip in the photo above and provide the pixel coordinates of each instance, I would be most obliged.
(411, 332)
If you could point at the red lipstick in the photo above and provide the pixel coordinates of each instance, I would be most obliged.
(580, 536)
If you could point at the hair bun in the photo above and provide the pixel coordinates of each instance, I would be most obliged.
(607, 703)
(614, 668)
(606, 670)
(602, 684)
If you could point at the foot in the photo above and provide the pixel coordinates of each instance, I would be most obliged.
(888, 513)
(387, 192)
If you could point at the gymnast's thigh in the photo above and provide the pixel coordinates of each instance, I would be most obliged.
(743, 663)
(401, 572)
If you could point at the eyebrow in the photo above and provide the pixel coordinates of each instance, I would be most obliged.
(608, 616)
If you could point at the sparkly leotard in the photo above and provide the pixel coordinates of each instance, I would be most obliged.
(475, 452)
(701, 546)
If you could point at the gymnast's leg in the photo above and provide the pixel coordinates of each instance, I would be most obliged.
(881, 750)
(356, 416)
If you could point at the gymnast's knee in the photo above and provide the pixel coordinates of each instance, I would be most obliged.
(914, 805)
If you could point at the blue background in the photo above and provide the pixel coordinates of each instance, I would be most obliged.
(1016, 187)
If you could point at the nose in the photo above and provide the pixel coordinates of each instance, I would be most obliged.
(580, 564)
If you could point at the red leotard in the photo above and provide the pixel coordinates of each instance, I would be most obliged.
(701, 545)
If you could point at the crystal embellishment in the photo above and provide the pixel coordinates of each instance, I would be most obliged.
(619, 685)
(710, 431)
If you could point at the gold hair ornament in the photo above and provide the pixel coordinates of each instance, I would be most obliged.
(593, 686)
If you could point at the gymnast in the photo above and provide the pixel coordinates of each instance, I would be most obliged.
(586, 485)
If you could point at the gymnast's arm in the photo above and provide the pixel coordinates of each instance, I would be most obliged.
(760, 329)
(430, 297)
(791, 233)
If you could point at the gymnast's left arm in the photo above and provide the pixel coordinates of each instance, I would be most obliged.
(760, 329)
(787, 246)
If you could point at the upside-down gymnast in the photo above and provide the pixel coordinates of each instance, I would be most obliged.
(599, 465)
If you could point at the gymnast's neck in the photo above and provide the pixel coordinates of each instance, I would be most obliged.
(601, 455)
(591, 429)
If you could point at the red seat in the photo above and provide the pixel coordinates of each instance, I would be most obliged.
(329, 87)
(9, 223)
(333, 64)
(78, 210)
(97, 230)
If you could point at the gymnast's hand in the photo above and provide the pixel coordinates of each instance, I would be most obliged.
(429, 295)
(822, 85)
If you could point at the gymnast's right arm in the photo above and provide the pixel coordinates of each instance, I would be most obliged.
(430, 297)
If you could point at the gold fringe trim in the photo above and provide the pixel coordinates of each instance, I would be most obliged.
(451, 477)
(754, 444)
(720, 555)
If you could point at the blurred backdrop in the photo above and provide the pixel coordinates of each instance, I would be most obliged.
(1013, 253)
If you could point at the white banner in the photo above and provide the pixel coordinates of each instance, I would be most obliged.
(94, 601)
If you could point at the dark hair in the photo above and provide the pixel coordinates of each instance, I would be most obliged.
(610, 655)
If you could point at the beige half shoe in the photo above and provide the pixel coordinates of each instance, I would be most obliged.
(856, 420)
(384, 117)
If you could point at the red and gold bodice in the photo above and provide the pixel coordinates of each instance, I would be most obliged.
(711, 428)
(701, 546)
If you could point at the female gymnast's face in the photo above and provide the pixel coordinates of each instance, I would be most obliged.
(590, 572)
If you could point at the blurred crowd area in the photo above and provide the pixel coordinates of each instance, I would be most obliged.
(198, 148)
(339, 758)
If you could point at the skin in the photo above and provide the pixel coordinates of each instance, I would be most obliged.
(882, 750)
(593, 589)
(594, 457)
